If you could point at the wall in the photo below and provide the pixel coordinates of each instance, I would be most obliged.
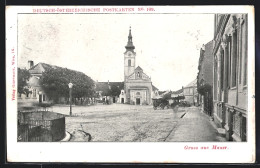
(207, 68)
(139, 85)
(230, 75)
(128, 70)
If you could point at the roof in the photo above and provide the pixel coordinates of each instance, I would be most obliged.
(166, 92)
(154, 88)
(193, 83)
(130, 45)
(138, 68)
(177, 91)
(103, 86)
(161, 92)
(41, 67)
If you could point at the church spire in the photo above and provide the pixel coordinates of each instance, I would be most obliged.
(130, 45)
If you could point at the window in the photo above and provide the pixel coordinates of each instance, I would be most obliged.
(240, 51)
(245, 50)
(244, 128)
(43, 97)
(222, 70)
(138, 74)
(34, 92)
(215, 80)
(229, 61)
(234, 60)
(191, 90)
(129, 62)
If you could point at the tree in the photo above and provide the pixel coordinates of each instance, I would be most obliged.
(55, 83)
(106, 91)
(115, 91)
(167, 96)
(23, 77)
(203, 89)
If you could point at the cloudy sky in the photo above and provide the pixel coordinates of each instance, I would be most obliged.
(167, 45)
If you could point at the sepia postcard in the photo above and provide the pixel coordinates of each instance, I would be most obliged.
(135, 84)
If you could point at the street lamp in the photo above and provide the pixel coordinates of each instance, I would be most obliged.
(70, 86)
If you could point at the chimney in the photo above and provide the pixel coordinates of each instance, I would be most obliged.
(108, 82)
(30, 64)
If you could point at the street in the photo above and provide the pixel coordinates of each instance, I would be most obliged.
(128, 123)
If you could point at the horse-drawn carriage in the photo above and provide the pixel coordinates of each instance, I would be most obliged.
(160, 103)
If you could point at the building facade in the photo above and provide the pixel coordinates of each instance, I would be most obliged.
(108, 92)
(230, 75)
(36, 94)
(190, 93)
(205, 79)
(138, 88)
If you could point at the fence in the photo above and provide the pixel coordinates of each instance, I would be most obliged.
(41, 127)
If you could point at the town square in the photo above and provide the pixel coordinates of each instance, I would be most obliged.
(182, 78)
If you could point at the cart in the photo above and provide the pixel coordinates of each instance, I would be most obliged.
(160, 103)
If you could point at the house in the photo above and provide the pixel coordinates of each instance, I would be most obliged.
(230, 75)
(109, 91)
(177, 95)
(36, 93)
(205, 79)
(190, 92)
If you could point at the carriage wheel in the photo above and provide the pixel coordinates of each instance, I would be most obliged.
(162, 106)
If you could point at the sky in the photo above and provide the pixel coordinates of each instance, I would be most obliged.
(167, 46)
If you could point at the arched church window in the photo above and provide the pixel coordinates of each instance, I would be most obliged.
(138, 74)
(129, 62)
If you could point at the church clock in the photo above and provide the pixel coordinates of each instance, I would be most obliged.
(129, 53)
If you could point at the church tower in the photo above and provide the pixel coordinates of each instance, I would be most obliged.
(129, 57)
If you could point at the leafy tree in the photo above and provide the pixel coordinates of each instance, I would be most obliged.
(115, 91)
(106, 91)
(55, 83)
(203, 89)
(167, 96)
(23, 77)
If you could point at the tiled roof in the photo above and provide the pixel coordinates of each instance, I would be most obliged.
(193, 83)
(41, 67)
(161, 92)
(103, 86)
(177, 91)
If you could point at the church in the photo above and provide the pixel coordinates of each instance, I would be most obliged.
(138, 88)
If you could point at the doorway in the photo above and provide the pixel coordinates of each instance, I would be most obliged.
(122, 100)
(138, 101)
(40, 98)
(114, 99)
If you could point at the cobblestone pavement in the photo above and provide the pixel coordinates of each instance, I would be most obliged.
(100, 108)
(128, 123)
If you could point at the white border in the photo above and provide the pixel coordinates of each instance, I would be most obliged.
(165, 152)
